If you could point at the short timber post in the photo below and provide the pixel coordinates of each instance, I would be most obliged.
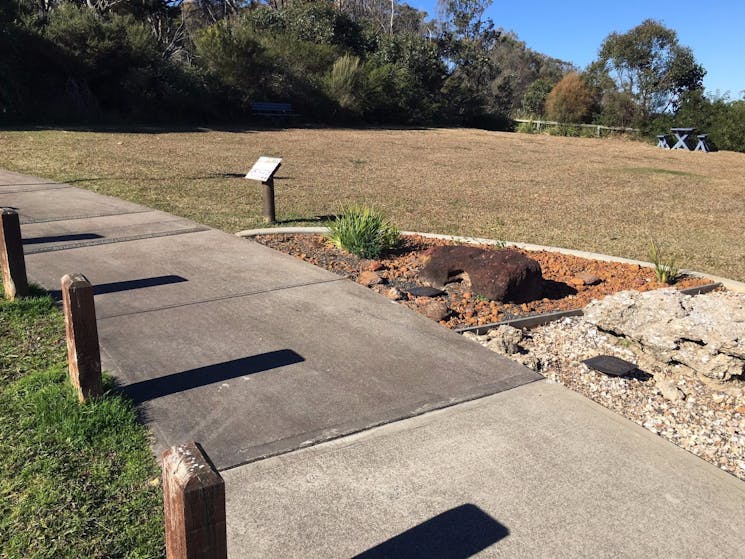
(83, 353)
(268, 199)
(194, 505)
(12, 261)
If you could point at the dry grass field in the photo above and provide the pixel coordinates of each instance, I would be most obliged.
(610, 196)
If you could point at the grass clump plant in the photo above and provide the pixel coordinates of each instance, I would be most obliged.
(665, 269)
(363, 231)
(75, 480)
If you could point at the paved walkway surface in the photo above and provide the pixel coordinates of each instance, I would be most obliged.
(224, 341)
(253, 353)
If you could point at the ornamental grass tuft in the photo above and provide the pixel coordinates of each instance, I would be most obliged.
(363, 231)
(665, 269)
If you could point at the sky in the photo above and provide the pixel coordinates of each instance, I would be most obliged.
(573, 30)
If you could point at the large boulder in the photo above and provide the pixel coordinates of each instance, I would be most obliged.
(500, 275)
(705, 332)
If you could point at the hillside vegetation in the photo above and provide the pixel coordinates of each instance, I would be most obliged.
(337, 62)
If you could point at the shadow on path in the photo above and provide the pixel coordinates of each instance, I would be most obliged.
(186, 380)
(117, 286)
(61, 238)
(455, 534)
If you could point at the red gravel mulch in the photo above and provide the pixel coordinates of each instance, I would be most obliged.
(562, 289)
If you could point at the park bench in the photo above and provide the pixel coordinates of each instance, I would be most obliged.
(271, 110)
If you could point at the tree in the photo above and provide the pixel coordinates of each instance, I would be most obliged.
(571, 100)
(650, 65)
(466, 42)
(519, 68)
(534, 101)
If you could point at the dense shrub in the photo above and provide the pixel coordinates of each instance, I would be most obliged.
(525, 128)
(534, 101)
(114, 64)
(571, 100)
(344, 84)
(24, 93)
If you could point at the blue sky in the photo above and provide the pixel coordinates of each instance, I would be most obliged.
(573, 30)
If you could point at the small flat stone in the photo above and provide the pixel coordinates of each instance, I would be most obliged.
(425, 292)
(670, 390)
(371, 265)
(586, 278)
(368, 278)
(610, 365)
(435, 310)
(394, 294)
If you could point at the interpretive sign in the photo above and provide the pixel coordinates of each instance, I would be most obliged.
(264, 168)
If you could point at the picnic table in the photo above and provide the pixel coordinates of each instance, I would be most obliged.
(681, 135)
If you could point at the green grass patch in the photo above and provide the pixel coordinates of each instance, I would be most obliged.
(75, 480)
(657, 171)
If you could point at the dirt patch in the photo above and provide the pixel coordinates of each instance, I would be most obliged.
(568, 281)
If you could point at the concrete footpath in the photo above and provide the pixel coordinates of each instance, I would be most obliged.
(257, 355)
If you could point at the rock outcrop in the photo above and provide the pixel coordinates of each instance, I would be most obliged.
(500, 275)
(705, 332)
(505, 340)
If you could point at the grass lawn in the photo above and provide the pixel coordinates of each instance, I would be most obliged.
(610, 196)
(75, 481)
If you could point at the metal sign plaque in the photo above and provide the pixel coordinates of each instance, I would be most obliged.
(264, 168)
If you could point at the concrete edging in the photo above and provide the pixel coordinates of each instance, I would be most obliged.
(732, 285)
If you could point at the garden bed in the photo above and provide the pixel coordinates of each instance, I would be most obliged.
(565, 285)
(704, 417)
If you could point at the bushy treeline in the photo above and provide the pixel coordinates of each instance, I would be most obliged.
(340, 61)
(336, 61)
(643, 79)
(72, 63)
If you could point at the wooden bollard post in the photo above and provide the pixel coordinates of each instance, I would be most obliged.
(194, 505)
(83, 353)
(12, 261)
(268, 199)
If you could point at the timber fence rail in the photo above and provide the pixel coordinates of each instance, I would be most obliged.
(540, 125)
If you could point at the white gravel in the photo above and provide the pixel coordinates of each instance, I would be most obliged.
(709, 421)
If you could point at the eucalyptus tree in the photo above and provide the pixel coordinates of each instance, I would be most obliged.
(648, 64)
(466, 40)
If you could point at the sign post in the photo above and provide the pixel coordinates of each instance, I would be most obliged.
(263, 170)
